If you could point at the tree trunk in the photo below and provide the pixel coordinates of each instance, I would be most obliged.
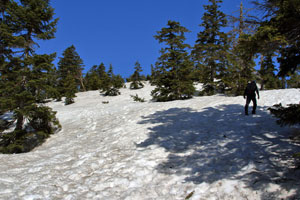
(283, 82)
(20, 120)
(81, 81)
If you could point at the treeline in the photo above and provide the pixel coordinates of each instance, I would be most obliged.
(69, 78)
(223, 61)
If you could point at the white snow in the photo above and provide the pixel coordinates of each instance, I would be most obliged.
(128, 150)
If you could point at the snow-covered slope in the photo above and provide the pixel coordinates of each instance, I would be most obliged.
(202, 148)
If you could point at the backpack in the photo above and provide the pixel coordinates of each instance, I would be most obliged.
(251, 88)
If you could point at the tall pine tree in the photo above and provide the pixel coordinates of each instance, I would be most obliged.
(25, 75)
(240, 58)
(70, 67)
(136, 79)
(211, 47)
(173, 71)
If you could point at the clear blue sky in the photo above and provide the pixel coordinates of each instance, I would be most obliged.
(120, 32)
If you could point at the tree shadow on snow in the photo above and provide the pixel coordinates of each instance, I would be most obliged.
(221, 143)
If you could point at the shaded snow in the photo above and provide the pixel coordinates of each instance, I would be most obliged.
(130, 150)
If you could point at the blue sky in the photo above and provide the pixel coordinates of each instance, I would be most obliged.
(120, 32)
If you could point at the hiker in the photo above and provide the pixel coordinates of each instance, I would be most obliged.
(251, 96)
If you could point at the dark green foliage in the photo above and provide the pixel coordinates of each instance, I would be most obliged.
(4, 124)
(267, 74)
(137, 98)
(280, 31)
(92, 79)
(208, 89)
(71, 89)
(97, 78)
(41, 124)
(211, 47)
(25, 76)
(289, 115)
(241, 69)
(153, 75)
(117, 81)
(173, 70)
(112, 91)
(112, 83)
(136, 79)
(294, 81)
(69, 72)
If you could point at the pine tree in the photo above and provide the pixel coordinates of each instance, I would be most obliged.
(267, 74)
(92, 79)
(71, 89)
(25, 75)
(294, 81)
(280, 32)
(70, 65)
(173, 70)
(240, 66)
(152, 76)
(136, 79)
(210, 49)
(97, 78)
(112, 83)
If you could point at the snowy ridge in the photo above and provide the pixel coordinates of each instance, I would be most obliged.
(204, 147)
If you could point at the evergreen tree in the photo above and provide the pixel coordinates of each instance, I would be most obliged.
(92, 79)
(70, 65)
(97, 78)
(294, 81)
(152, 76)
(71, 89)
(211, 47)
(24, 75)
(240, 66)
(173, 70)
(280, 31)
(112, 83)
(136, 79)
(267, 74)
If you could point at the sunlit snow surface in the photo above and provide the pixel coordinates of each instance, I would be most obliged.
(204, 148)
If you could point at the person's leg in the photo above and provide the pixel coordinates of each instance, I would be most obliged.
(254, 105)
(247, 105)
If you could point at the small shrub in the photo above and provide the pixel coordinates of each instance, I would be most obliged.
(112, 92)
(137, 98)
(289, 115)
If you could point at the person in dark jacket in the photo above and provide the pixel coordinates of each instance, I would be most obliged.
(251, 96)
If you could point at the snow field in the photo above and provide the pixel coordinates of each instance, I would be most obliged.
(131, 150)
